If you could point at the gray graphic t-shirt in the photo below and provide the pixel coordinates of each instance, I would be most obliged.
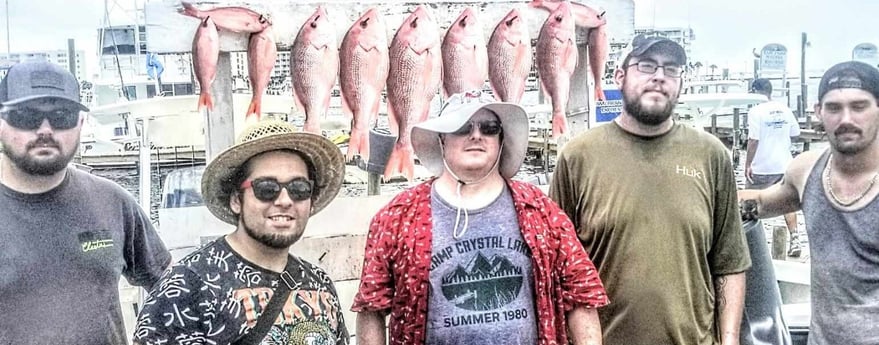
(481, 284)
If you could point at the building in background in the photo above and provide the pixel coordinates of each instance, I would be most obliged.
(60, 57)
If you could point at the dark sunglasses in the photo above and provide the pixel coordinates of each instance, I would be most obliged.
(30, 119)
(485, 127)
(268, 189)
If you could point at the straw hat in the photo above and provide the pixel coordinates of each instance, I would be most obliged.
(325, 158)
(457, 112)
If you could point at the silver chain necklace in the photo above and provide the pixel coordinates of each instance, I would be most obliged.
(828, 170)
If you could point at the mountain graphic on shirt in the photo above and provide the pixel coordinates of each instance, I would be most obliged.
(483, 284)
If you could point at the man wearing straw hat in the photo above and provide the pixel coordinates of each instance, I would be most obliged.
(473, 257)
(246, 286)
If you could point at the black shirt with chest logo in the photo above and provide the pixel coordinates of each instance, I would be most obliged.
(61, 255)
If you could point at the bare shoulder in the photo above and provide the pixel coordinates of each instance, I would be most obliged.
(798, 171)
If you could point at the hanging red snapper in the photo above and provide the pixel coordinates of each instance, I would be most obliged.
(314, 61)
(465, 60)
(556, 60)
(237, 19)
(363, 72)
(414, 78)
(261, 55)
(205, 53)
(509, 57)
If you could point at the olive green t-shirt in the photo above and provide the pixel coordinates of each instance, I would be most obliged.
(659, 218)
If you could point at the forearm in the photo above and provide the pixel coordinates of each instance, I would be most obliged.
(583, 325)
(371, 328)
(752, 150)
(729, 293)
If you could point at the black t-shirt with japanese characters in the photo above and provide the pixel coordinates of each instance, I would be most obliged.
(214, 296)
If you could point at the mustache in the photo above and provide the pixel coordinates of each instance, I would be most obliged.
(847, 129)
(43, 141)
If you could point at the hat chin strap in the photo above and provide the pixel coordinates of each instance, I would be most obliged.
(460, 184)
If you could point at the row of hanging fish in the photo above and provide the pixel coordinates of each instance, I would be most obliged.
(414, 67)
(261, 50)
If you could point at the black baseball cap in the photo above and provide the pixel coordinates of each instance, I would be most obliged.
(761, 85)
(37, 79)
(642, 45)
(850, 75)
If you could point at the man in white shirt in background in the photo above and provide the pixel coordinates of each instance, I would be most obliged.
(771, 127)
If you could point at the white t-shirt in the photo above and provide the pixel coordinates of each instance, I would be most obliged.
(772, 124)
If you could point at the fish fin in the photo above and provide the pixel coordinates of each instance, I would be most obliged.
(400, 163)
(536, 4)
(204, 101)
(559, 124)
(189, 10)
(570, 56)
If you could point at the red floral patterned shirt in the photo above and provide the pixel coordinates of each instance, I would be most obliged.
(397, 261)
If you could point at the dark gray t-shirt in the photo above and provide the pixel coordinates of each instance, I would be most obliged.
(481, 285)
(61, 255)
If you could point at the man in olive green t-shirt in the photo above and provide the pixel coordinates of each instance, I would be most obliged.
(654, 204)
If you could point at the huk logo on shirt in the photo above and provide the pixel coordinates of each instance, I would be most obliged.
(687, 171)
(94, 240)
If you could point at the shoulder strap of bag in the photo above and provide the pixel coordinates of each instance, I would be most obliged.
(273, 308)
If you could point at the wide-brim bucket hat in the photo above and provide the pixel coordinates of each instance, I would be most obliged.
(457, 112)
(325, 158)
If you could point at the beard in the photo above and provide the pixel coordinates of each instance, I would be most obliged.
(33, 166)
(651, 117)
(275, 241)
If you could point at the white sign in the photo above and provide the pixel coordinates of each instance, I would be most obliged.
(773, 58)
(866, 53)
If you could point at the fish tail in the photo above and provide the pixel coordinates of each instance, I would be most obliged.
(358, 144)
(559, 124)
(205, 102)
(599, 94)
(254, 111)
(400, 163)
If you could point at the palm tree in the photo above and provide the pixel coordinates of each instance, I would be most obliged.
(712, 67)
(698, 66)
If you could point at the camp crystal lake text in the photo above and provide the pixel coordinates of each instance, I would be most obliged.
(488, 242)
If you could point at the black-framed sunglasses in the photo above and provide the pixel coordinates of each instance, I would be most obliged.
(268, 189)
(650, 67)
(490, 128)
(30, 119)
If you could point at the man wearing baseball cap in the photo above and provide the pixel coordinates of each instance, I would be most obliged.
(66, 236)
(836, 189)
(654, 204)
(473, 257)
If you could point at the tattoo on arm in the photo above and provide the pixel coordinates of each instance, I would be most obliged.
(720, 283)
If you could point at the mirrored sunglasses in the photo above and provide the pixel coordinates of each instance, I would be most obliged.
(30, 119)
(268, 189)
(489, 127)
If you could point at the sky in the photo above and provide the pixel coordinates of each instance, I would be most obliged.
(726, 30)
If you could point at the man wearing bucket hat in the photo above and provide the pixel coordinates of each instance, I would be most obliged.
(654, 203)
(836, 189)
(66, 236)
(246, 286)
(473, 257)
